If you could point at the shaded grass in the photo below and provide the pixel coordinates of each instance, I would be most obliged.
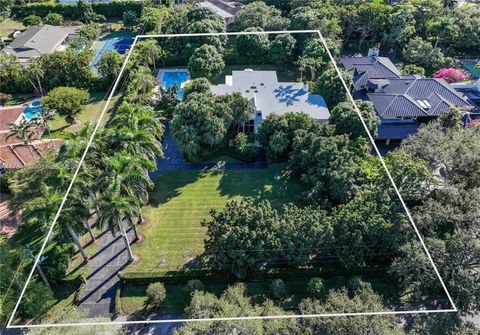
(9, 26)
(90, 113)
(181, 200)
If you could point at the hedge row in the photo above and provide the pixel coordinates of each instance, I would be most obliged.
(181, 277)
(108, 9)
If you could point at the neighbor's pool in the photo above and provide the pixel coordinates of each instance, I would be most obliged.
(170, 78)
(471, 67)
(32, 112)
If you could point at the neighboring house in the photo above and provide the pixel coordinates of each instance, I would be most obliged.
(227, 9)
(14, 154)
(401, 101)
(267, 95)
(39, 40)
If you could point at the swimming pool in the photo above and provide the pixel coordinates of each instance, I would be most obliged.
(471, 67)
(171, 77)
(32, 112)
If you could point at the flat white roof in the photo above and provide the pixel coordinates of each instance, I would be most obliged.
(271, 96)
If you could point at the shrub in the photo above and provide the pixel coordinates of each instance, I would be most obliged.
(4, 97)
(451, 75)
(54, 19)
(156, 293)
(316, 287)
(194, 285)
(355, 283)
(278, 289)
(130, 19)
(413, 69)
(37, 298)
(56, 261)
(32, 20)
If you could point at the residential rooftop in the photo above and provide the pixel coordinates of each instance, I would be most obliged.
(268, 95)
(39, 40)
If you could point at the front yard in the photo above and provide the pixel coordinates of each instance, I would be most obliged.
(181, 200)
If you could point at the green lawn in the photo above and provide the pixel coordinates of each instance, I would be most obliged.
(180, 200)
(288, 74)
(90, 113)
(9, 26)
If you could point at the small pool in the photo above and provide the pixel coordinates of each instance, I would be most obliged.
(471, 67)
(33, 111)
(171, 77)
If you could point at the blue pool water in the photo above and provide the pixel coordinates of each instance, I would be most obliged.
(32, 112)
(170, 78)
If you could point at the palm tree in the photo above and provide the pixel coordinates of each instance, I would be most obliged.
(114, 211)
(35, 71)
(135, 142)
(302, 66)
(75, 213)
(24, 132)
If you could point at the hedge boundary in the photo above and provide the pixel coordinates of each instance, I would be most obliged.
(107, 9)
(209, 276)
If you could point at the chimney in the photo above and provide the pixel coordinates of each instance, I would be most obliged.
(373, 52)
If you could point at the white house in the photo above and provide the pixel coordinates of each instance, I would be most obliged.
(267, 95)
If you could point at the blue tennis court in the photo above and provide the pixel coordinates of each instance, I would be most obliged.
(121, 44)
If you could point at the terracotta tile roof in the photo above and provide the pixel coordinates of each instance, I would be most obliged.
(9, 115)
(7, 137)
(14, 156)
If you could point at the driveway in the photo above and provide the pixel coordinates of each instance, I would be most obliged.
(98, 295)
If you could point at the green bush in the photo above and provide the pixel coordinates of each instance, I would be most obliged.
(54, 19)
(316, 287)
(107, 9)
(354, 283)
(36, 300)
(32, 20)
(194, 285)
(56, 261)
(278, 289)
(156, 293)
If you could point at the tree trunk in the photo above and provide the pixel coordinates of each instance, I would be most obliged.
(78, 243)
(43, 276)
(135, 232)
(90, 232)
(127, 242)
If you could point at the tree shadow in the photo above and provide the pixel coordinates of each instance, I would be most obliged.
(169, 185)
(275, 184)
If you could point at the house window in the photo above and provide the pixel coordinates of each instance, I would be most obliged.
(249, 127)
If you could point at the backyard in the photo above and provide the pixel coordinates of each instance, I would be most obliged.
(9, 26)
(180, 200)
(90, 113)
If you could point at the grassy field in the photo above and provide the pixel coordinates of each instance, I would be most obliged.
(9, 26)
(90, 113)
(181, 200)
(288, 74)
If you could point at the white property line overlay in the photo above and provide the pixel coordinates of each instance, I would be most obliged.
(300, 316)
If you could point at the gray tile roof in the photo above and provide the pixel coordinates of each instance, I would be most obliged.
(270, 96)
(406, 97)
(36, 41)
(366, 68)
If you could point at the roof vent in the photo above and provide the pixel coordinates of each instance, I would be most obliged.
(253, 87)
(247, 91)
(262, 84)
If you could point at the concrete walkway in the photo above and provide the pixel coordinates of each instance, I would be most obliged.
(98, 296)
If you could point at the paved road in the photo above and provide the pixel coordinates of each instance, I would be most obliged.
(98, 296)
